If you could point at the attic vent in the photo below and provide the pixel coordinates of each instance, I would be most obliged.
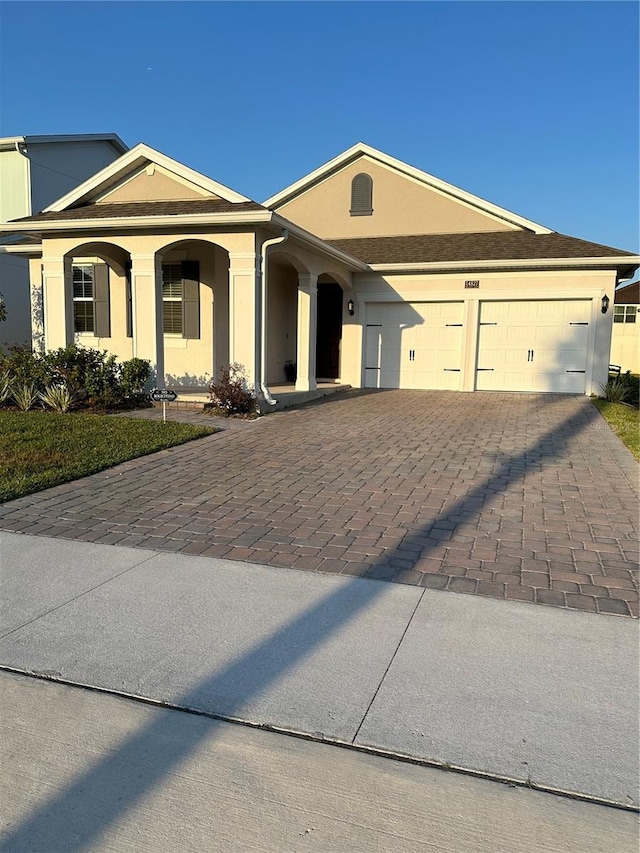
(361, 195)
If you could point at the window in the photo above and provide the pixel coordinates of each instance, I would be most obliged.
(83, 298)
(361, 195)
(91, 309)
(625, 313)
(181, 299)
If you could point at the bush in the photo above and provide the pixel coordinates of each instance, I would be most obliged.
(231, 391)
(90, 376)
(632, 382)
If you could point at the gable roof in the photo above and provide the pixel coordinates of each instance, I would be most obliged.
(492, 246)
(361, 149)
(131, 162)
(628, 295)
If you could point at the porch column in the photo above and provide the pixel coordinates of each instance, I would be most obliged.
(146, 293)
(244, 322)
(58, 302)
(307, 325)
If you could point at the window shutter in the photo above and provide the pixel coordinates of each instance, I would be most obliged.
(361, 195)
(190, 299)
(101, 310)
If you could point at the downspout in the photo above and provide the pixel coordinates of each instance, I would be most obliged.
(263, 318)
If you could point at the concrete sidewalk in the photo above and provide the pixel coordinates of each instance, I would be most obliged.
(85, 771)
(504, 688)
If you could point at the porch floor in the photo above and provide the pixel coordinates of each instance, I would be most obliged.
(285, 394)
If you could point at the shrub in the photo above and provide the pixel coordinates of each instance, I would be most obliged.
(58, 397)
(615, 391)
(231, 391)
(24, 395)
(86, 373)
(134, 375)
(632, 382)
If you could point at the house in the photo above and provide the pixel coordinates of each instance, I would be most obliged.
(34, 171)
(367, 272)
(625, 337)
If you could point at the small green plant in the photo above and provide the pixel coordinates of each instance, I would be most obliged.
(5, 385)
(615, 391)
(24, 395)
(58, 397)
(231, 392)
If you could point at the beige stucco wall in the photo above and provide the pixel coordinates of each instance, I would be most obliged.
(157, 186)
(282, 308)
(371, 287)
(625, 345)
(401, 205)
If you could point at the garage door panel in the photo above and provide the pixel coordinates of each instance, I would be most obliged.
(531, 345)
(413, 345)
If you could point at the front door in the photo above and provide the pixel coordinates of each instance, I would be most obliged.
(329, 331)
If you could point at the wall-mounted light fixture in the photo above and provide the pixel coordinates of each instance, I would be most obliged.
(351, 307)
(605, 304)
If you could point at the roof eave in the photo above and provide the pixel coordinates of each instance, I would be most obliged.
(137, 222)
(614, 262)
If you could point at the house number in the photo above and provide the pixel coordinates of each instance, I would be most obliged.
(472, 284)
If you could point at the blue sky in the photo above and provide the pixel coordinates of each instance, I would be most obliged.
(531, 105)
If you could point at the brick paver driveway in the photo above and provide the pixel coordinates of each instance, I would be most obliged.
(526, 497)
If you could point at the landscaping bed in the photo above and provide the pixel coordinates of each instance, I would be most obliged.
(42, 449)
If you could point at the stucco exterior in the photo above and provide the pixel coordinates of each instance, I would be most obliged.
(272, 288)
(401, 205)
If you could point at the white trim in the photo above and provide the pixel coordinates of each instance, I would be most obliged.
(114, 223)
(532, 263)
(361, 149)
(136, 156)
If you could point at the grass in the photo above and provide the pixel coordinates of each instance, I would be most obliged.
(624, 421)
(43, 449)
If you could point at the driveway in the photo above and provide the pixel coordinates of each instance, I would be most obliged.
(513, 496)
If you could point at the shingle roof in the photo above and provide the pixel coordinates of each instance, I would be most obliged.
(628, 295)
(146, 208)
(484, 246)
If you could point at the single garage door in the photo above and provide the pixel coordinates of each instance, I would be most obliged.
(413, 345)
(533, 346)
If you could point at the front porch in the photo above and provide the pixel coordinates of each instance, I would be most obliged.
(285, 395)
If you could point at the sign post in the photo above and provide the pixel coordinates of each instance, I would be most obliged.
(164, 396)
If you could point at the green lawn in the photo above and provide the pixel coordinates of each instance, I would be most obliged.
(42, 449)
(624, 421)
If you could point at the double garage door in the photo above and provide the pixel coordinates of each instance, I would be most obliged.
(524, 345)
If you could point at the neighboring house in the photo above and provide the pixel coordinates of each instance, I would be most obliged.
(34, 171)
(625, 338)
(367, 271)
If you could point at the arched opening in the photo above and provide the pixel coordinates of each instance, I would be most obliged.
(282, 316)
(195, 312)
(100, 297)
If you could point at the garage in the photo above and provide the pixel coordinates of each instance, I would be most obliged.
(533, 345)
(413, 345)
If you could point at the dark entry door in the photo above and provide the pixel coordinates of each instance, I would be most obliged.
(329, 332)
